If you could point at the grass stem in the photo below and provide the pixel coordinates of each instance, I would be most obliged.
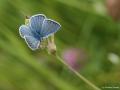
(78, 74)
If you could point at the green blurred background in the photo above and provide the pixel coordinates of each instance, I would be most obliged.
(85, 26)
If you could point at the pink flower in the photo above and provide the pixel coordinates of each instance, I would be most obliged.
(73, 56)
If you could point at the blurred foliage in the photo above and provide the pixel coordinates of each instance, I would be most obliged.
(85, 25)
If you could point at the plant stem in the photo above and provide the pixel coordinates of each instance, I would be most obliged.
(78, 74)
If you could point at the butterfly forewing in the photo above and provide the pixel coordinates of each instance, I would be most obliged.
(36, 22)
(49, 27)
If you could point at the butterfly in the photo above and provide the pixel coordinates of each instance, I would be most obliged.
(38, 28)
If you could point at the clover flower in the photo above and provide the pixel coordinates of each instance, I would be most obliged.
(74, 57)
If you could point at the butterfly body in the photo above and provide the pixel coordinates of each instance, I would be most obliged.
(38, 28)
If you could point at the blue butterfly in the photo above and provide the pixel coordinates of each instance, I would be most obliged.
(38, 28)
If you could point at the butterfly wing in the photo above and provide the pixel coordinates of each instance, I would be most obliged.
(49, 27)
(24, 31)
(36, 22)
(32, 42)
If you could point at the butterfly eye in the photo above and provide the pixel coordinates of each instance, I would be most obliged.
(27, 17)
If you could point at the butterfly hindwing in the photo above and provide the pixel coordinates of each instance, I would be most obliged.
(24, 31)
(36, 22)
(32, 42)
(49, 27)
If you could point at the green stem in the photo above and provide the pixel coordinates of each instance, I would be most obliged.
(78, 74)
